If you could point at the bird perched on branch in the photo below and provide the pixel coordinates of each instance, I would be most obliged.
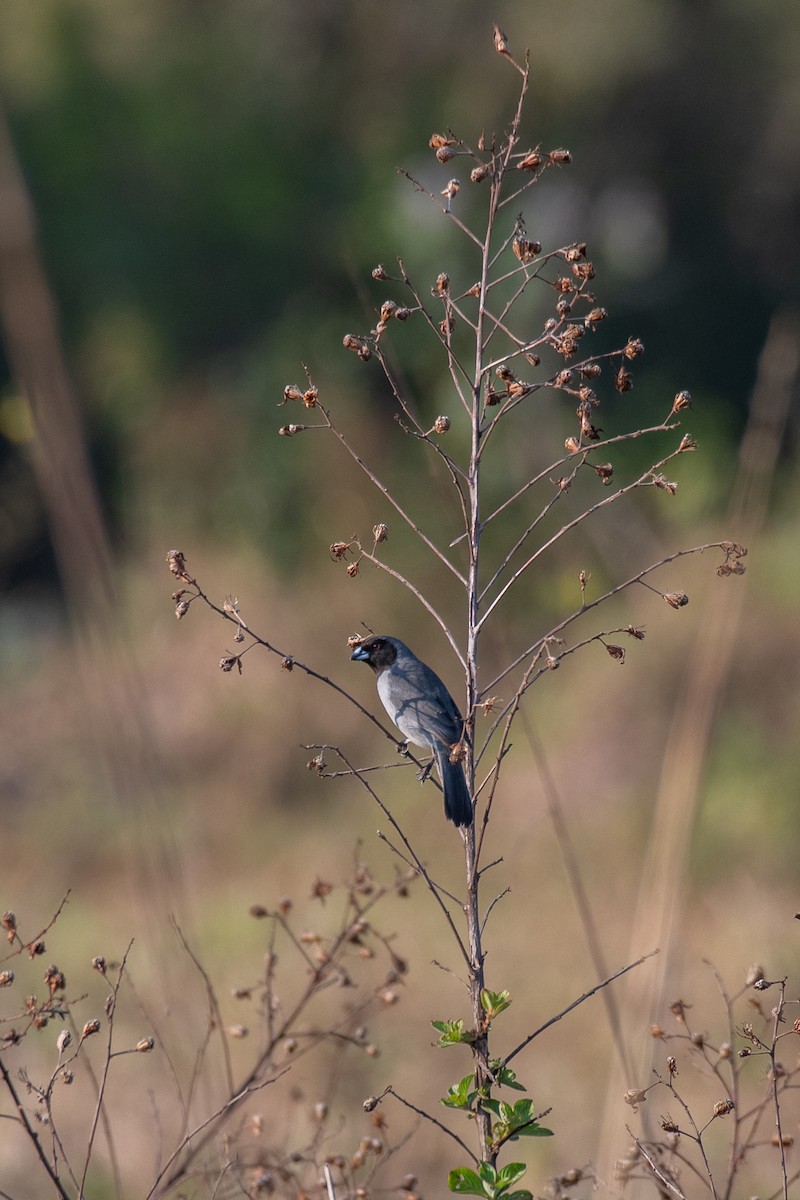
(424, 712)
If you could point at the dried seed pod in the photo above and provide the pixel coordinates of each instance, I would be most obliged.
(291, 430)
(437, 140)
(388, 309)
(530, 161)
(500, 41)
(445, 153)
(605, 472)
(145, 1045)
(443, 283)
(441, 424)
(55, 979)
(675, 599)
(452, 189)
(682, 400)
(479, 173)
(292, 392)
(560, 158)
(380, 532)
(623, 380)
(379, 273)
(524, 249)
(594, 317)
(177, 563)
(634, 348)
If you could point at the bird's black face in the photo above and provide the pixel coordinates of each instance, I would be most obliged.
(379, 652)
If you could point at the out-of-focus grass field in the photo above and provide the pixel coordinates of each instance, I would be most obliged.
(212, 189)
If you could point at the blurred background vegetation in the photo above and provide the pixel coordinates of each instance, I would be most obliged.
(212, 185)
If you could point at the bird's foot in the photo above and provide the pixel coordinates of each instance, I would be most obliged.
(425, 771)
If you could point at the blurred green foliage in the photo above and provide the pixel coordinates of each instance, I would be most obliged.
(213, 184)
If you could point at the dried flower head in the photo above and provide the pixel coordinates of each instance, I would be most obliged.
(682, 400)
(177, 563)
(441, 424)
(55, 979)
(500, 41)
(379, 273)
(605, 472)
(634, 348)
(358, 345)
(617, 652)
(676, 599)
(560, 158)
(291, 430)
(437, 140)
(445, 153)
(524, 249)
(479, 173)
(380, 532)
(530, 161)
(145, 1045)
(443, 283)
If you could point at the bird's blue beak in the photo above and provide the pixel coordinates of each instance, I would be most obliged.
(359, 654)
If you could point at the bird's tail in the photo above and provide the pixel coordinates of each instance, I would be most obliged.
(457, 802)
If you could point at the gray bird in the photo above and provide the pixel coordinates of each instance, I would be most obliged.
(423, 710)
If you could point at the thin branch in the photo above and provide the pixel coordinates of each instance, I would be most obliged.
(382, 488)
(644, 480)
(620, 587)
(575, 1003)
(389, 1091)
(32, 1134)
(106, 1067)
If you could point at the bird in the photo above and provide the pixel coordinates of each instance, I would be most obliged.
(423, 710)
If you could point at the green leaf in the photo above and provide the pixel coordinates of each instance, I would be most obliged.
(493, 1003)
(511, 1173)
(466, 1182)
(505, 1076)
(522, 1195)
(462, 1094)
(452, 1033)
